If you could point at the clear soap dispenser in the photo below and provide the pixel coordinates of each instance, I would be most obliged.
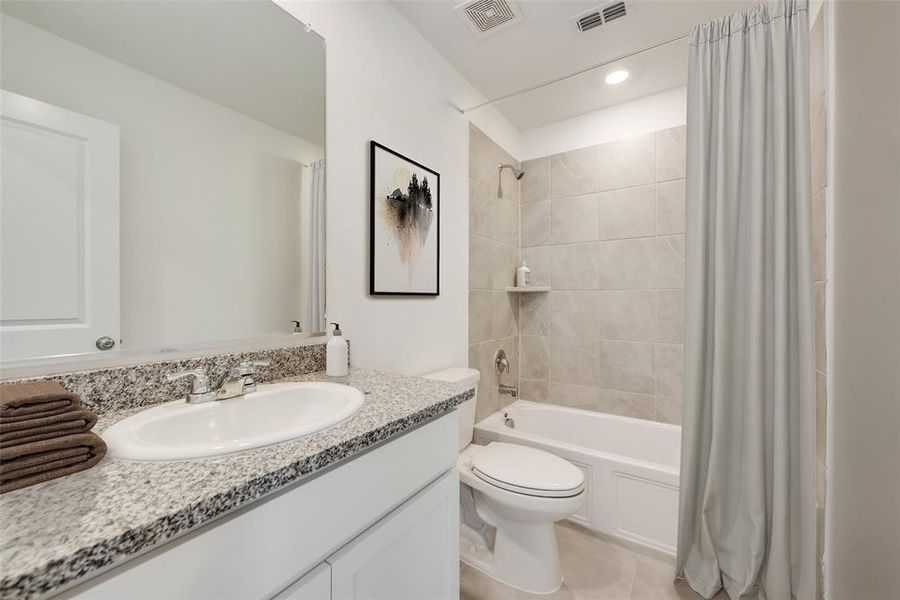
(336, 354)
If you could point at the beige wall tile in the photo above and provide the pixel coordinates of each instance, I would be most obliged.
(626, 404)
(480, 316)
(504, 263)
(573, 173)
(539, 260)
(670, 150)
(818, 143)
(505, 221)
(818, 235)
(535, 355)
(573, 313)
(534, 314)
(574, 267)
(670, 261)
(627, 213)
(536, 223)
(670, 207)
(670, 316)
(480, 209)
(627, 366)
(821, 327)
(511, 186)
(505, 314)
(535, 186)
(575, 396)
(481, 262)
(574, 360)
(669, 370)
(482, 157)
(627, 264)
(534, 390)
(627, 163)
(481, 357)
(574, 219)
(627, 315)
(669, 410)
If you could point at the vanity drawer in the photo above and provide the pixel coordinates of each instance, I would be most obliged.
(258, 551)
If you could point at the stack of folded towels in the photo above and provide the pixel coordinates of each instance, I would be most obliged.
(44, 434)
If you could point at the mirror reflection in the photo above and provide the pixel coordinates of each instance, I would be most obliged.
(162, 175)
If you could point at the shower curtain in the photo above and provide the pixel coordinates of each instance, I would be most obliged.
(315, 288)
(747, 514)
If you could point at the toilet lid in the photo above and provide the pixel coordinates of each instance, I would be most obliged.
(527, 471)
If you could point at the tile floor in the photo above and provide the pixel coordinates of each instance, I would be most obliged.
(594, 568)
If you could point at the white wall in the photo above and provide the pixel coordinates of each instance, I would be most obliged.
(210, 198)
(385, 82)
(644, 115)
(863, 507)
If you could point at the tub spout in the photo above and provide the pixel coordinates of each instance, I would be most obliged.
(509, 389)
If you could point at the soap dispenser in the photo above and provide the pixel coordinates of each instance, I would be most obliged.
(336, 354)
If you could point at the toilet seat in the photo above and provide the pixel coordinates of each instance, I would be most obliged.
(527, 471)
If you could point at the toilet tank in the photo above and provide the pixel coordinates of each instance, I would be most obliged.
(466, 410)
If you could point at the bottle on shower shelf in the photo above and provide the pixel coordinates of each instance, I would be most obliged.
(523, 276)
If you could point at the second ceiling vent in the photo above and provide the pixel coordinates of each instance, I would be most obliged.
(603, 14)
(487, 17)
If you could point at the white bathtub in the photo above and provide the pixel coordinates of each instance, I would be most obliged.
(630, 465)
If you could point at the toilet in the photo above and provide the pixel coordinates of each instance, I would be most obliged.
(510, 496)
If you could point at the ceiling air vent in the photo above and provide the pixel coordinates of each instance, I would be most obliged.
(487, 17)
(603, 14)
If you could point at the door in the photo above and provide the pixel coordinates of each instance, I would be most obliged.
(59, 230)
(412, 554)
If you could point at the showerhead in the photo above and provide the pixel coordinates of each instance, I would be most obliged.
(518, 173)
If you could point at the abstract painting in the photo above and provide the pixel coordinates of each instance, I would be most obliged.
(405, 225)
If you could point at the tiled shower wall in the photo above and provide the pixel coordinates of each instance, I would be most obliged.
(603, 226)
(493, 260)
(818, 98)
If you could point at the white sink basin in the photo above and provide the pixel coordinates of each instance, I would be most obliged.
(274, 413)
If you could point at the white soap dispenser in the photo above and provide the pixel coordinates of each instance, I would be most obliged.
(336, 354)
(523, 275)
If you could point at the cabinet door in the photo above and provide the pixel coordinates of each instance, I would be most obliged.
(413, 553)
(315, 585)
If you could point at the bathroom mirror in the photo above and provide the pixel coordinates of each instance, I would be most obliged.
(162, 176)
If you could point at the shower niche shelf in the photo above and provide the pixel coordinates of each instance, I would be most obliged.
(530, 289)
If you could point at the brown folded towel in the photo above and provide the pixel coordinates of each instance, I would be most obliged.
(36, 462)
(35, 399)
(43, 428)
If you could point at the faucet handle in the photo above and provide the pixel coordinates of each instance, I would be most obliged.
(200, 383)
(249, 367)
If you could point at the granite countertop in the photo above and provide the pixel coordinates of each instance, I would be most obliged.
(64, 530)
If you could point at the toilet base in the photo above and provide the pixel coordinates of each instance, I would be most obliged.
(527, 561)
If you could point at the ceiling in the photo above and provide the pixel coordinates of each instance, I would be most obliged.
(547, 45)
(249, 56)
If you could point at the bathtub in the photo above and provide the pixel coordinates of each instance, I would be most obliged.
(630, 465)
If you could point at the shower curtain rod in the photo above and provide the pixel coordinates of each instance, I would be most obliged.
(576, 73)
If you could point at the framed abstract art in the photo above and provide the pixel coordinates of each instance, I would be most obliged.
(405, 225)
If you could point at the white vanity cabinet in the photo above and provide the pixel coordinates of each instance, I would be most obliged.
(382, 525)
(413, 553)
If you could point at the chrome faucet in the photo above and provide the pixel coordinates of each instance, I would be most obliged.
(237, 381)
(501, 363)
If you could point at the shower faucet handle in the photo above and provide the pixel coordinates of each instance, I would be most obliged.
(501, 363)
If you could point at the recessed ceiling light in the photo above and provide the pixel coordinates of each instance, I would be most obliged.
(617, 77)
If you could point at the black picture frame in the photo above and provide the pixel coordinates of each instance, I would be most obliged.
(374, 148)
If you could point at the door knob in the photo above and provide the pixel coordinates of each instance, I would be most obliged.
(105, 343)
